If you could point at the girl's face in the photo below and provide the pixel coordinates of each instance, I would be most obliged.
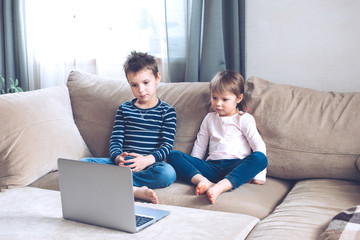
(225, 103)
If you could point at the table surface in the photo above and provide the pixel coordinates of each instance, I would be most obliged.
(34, 213)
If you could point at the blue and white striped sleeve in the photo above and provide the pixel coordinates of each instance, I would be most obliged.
(117, 135)
(167, 135)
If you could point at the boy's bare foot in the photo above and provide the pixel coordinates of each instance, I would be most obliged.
(256, 181)
(214, 191)
(145, 193)
(203, 186)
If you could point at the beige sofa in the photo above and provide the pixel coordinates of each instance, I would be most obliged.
(312, 138)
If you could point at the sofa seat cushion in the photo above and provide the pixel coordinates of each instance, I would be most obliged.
(308, 209)
(33, 213)
(249, 199)
(308, 133)
(49, 181)
(37, 127)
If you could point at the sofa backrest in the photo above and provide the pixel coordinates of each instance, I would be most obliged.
(308, 133)
(95, 100)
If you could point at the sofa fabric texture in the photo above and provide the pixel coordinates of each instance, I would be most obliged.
(308, 209)
(308, 133)
(37, 128)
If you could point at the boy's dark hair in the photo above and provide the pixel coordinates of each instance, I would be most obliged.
(138, 61)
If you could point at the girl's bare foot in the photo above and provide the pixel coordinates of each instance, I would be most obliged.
(214, 191)
(203, 186)
(256, 181)
(145, 193)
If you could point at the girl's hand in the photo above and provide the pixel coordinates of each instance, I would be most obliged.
(139, 162)
(120, 160)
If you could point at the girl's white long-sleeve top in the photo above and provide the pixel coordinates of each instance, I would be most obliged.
(230, 137)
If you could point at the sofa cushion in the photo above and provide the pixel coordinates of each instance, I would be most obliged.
(37, 128)
(308, 133)
(308, 209)
(250, 199)
(95, 100)
(191, 102)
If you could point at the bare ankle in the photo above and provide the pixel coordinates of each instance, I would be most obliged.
(256, 181)
(214, 191)
(146, 194)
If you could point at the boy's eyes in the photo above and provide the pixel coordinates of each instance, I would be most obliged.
(135, 85)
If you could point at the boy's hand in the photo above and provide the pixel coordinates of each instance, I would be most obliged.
(120, 160)
(139, 162)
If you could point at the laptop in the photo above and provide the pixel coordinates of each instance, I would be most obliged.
(102, 195)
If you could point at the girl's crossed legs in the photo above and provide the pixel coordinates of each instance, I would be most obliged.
(216, 176)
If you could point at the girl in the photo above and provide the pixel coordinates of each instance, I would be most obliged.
(236, 151)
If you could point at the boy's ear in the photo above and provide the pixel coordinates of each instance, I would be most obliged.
(158, 78)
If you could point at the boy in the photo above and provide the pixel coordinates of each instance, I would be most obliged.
(144, 130)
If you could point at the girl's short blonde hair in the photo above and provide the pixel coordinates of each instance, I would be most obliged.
(229, 81)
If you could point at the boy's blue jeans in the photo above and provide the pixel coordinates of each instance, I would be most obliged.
(237, 171)
(157, 175)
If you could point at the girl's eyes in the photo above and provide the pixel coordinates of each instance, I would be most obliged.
(224, 99)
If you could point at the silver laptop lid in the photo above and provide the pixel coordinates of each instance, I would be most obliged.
(97, 194)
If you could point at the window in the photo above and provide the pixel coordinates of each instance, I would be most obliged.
(93, 35)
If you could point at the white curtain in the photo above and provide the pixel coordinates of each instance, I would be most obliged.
(93, 35)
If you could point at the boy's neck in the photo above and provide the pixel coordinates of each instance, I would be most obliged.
(147, 105)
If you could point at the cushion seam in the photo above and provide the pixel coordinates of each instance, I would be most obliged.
(307, 151)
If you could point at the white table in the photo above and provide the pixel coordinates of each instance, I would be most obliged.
(34, 213)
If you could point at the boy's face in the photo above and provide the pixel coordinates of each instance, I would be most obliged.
(143, 86)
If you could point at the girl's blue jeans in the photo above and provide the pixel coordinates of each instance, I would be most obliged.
(157, 175)
(237, 171)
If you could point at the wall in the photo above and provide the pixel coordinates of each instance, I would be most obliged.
(306, 43)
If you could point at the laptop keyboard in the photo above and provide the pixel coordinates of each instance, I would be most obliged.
(140, 220)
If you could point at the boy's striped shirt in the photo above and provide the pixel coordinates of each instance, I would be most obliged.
(143, 131)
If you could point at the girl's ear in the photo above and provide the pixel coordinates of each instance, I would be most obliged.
(240, 98)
